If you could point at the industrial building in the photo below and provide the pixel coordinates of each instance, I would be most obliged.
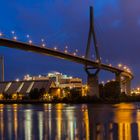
(53, 84)
(61, 81)
(23, 88)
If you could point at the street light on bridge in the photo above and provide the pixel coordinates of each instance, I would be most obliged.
(1, 34)
(55, 48)
(30, 42)
(119, 65)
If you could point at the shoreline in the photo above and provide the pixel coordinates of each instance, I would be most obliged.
(63, 102)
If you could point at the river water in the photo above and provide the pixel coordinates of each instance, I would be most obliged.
(70, 122)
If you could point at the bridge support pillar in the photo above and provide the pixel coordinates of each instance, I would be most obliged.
(128, 87)
(93, 85)
(118, 79)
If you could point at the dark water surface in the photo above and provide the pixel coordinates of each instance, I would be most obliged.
(70, 122)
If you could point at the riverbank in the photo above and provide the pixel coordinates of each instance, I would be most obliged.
(99, 101)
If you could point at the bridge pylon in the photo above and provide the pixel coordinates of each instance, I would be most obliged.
(92, 79)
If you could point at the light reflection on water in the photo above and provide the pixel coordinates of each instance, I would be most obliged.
(70, 122)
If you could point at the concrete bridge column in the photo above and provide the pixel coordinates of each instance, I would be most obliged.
(93, 85)
(128, 87)
(118, 79)
(123, 87)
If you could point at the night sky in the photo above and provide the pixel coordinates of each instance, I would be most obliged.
(66, 22)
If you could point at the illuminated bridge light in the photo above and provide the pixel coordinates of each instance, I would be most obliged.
(74, 54)
(43, 45)
(124, 67)
(42, 40)
(83, 56)
(110, 65)
(65, 51)
(1, 34)
(66, 47)
(27, 36)
(13, 32)
(15, 38)
(119, 65)
(17, 79)
(30, 41)
(55, 48)
(97, 61)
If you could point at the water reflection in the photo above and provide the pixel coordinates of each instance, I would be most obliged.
(70, 122)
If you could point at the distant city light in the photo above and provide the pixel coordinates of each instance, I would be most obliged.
(17, 79)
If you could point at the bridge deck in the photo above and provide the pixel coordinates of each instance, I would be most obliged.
(55, 53)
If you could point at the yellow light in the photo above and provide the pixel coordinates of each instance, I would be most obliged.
(14, 96)
(86, 87)
(119, 65)
(1, 96)
(124, 67)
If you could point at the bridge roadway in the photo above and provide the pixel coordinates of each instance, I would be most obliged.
(59, 54)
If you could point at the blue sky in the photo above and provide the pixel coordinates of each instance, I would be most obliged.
(66, 22)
